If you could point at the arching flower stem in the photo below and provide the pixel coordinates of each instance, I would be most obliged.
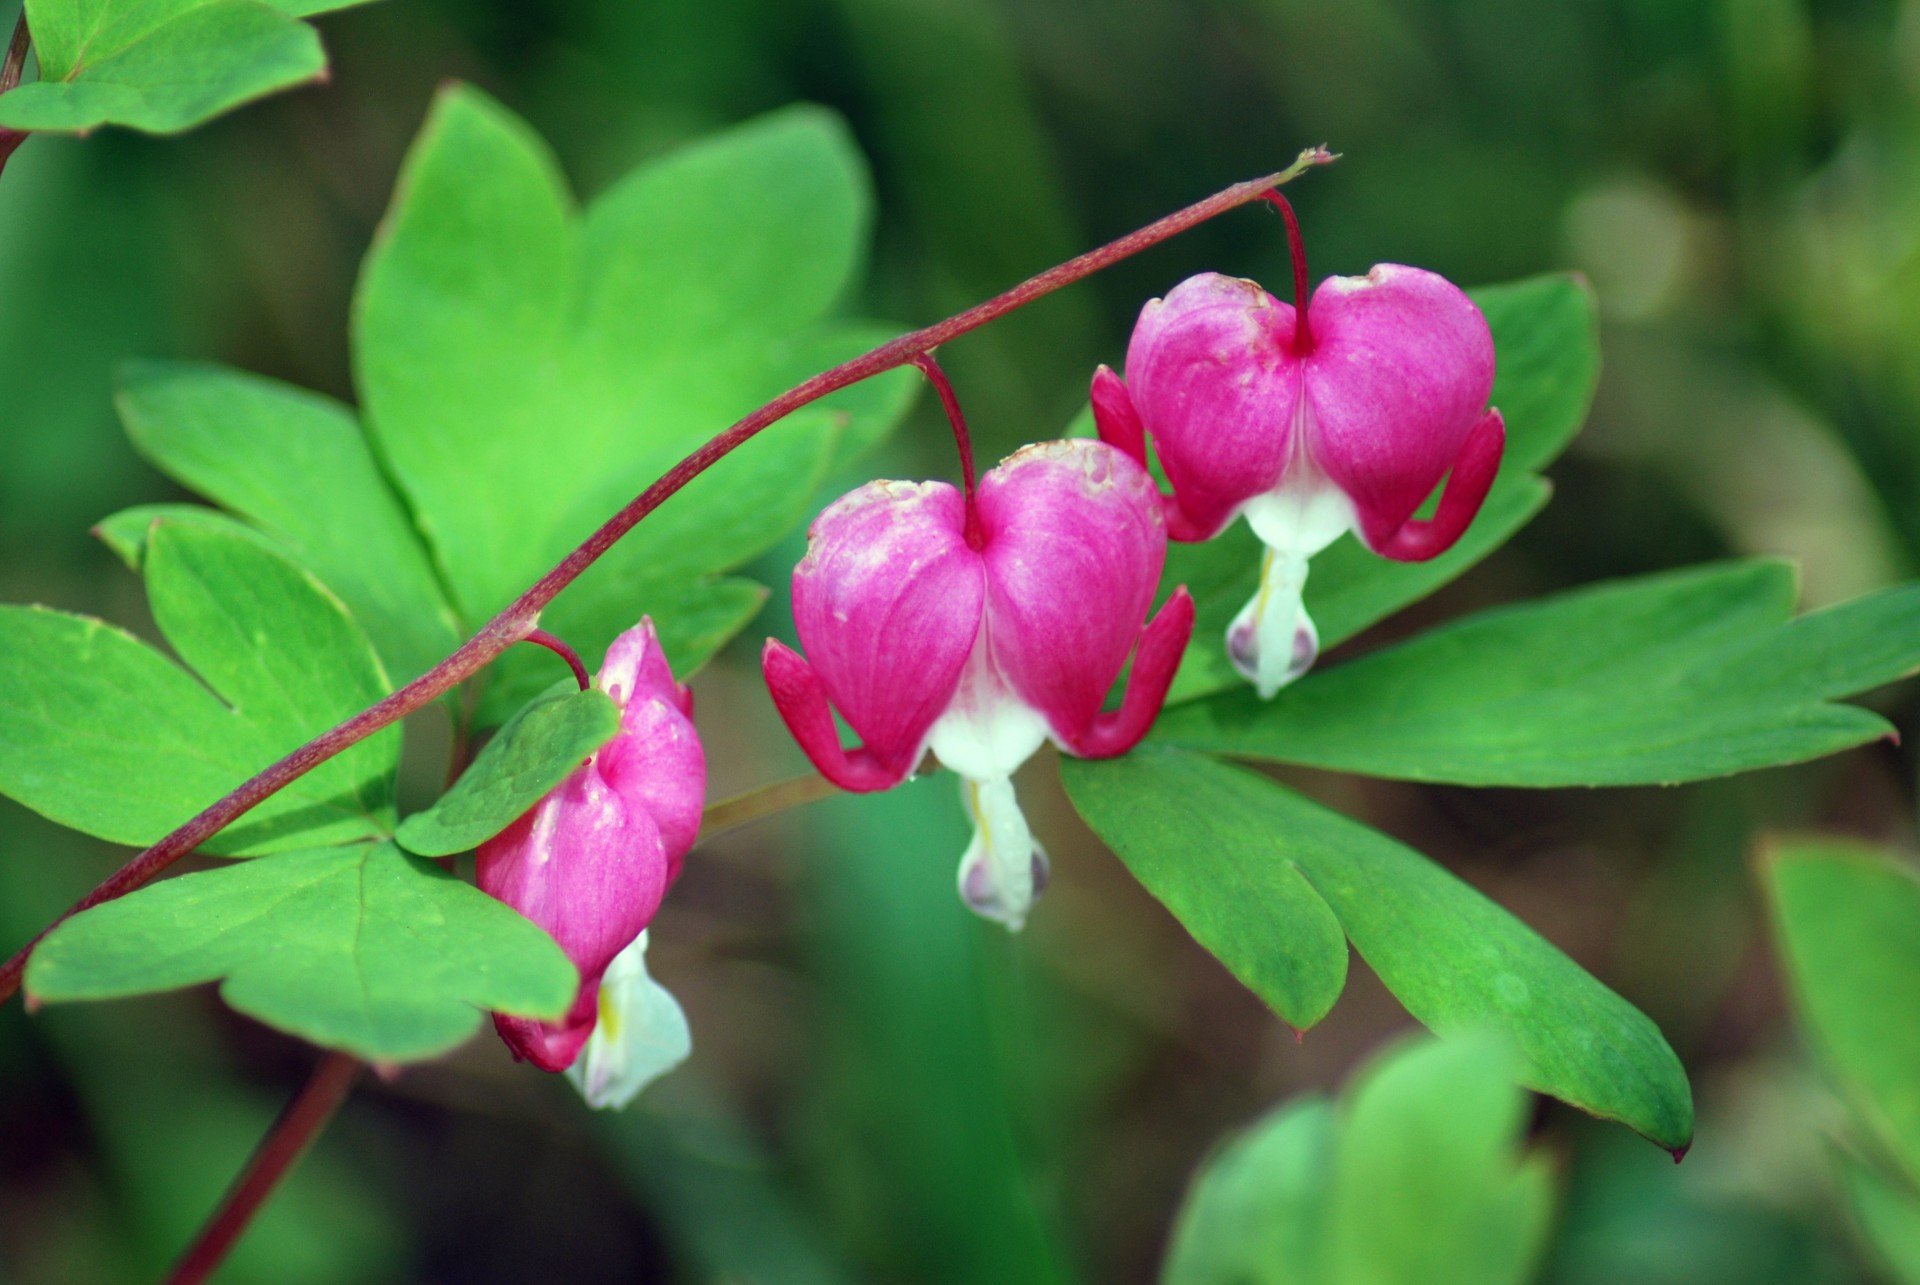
(1302, 283)
(541, 638)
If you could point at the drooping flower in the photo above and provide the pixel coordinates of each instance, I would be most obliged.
(591, 861)
(979, 626)
(1341, 417)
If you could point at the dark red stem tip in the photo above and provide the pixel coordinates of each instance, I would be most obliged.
(541, 638)
(976, 535)
(1302, 332)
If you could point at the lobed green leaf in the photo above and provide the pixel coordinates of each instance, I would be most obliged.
(160, 65)
(100, 732)
(361, 948)
(1207, 840)
(297, 467)
(1672, 677)
(1847, 916)
(526, 368)
(1417, 1178)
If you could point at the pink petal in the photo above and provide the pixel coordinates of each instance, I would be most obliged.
(1075, 543)
(1398, 377)
(656, 762)
(1212, 374)
(887, 603)
(1467, 488)
(802, 702)
(1114, 417)
(588, 867)
(1155, 661)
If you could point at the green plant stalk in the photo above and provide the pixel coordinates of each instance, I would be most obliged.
(521, 618)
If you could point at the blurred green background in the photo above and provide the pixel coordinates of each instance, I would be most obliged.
(884, 1089)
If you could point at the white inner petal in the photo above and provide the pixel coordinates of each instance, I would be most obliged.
(640, 1036)
(987, 731)
(1273, 641)
(1003, 869)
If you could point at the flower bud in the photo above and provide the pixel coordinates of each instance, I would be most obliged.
(592, 860)
(923, 639)
(1310, 431)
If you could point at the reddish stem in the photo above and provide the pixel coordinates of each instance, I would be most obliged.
(519, 619)
(296, 1128)
(541, 638)
(1302, 332)
(10, 139)
(976, 537)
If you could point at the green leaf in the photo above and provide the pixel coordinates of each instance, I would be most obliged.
(533, 753)
(1848, 920)
(1456, 960)
(1546, 336)
(360, 948)
(1666, 678)
(1417, 1178)
(126, 532)
(1426, 1184)
(160, 65)
(1257, 1211)
(527, 368)
(297, 466)
(100, 732)
(1888, 1217)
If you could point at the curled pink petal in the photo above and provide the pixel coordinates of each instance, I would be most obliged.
(1212, 373)
(802, 702)
(1075, 543)
(1467, 487)
(1114, 417)
(1155, 661)
(1398, 378)
(887, 603)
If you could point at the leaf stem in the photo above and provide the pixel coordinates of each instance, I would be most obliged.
(541, 638)
(764, 801)
(295, 1129)
(519, 620)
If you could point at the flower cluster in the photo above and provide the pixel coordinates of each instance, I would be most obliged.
(978, 623)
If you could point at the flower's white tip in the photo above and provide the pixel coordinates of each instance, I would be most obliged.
(1272, 641)
(640, 1036)
(1003, 869)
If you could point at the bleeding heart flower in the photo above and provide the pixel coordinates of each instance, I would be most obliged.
(1309, 429)
(979, 626)
(591, 861)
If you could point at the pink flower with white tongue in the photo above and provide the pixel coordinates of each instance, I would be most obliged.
(979, 626)
(591, 862)
(1340, 417)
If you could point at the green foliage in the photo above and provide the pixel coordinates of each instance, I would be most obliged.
(1546, 337)
(360, 947)
(100, 732)
(1847, 916)
(527, 368)
(161, 65)
(1673, 677)
(1848, 920)
(296, 466)
(533, 753)
(1205, 839)
(1416, 1179)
